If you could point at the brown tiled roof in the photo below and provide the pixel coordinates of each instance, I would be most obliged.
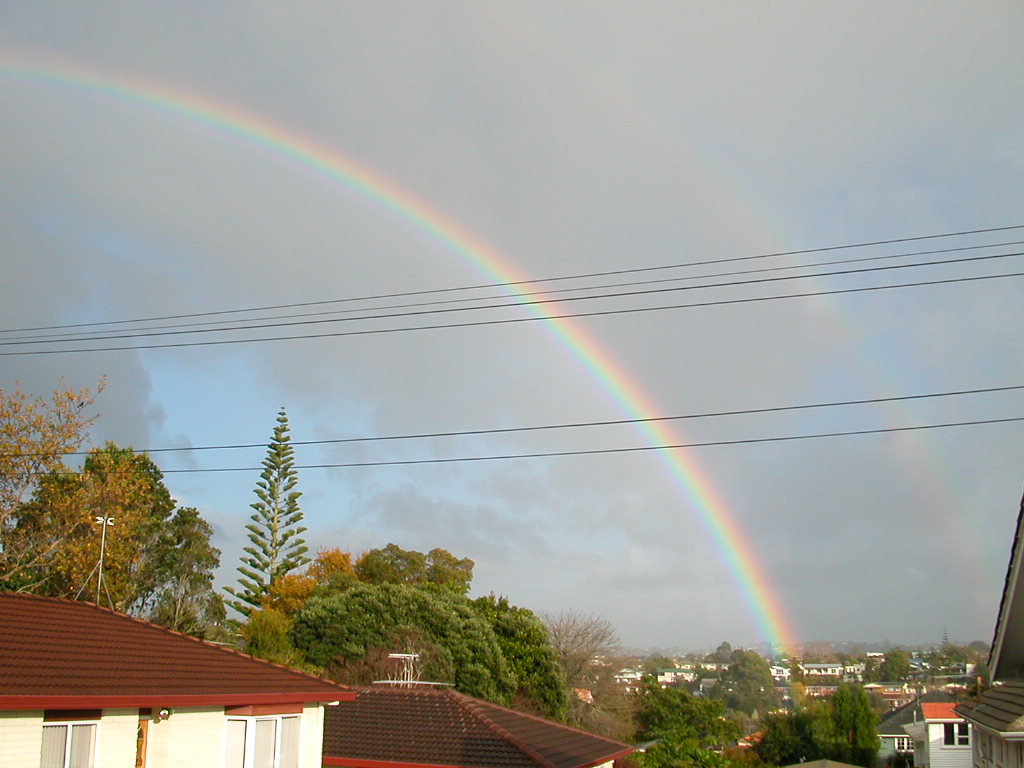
(1000, 708)
(440, 727)
(57, 653)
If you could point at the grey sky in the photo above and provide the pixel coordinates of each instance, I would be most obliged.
(569, 138)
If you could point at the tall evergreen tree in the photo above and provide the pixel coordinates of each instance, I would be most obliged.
(275, 534)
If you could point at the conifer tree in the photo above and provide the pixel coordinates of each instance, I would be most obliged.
(275, 534)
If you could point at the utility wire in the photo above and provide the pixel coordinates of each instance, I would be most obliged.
(107, 333)
(534, 302)
(573, 425)
(636, 449)
(514, 283)
(506, 321)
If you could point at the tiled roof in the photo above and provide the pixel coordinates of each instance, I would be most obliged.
(57, 653)
(939, 710)
(1006, 659)
(1000, 708)
(440, 727)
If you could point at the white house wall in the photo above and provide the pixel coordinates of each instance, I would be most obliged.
(191, 736)
(21, 734)
(943, 756)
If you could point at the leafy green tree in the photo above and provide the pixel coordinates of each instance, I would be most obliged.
(346, 625)
(852, 736)
(749, 682)
(265, 635)
(275, 534)
(185, 599)
(394, 565)
(527, 649)
(689, 731)
(787, 738)
(895, 665)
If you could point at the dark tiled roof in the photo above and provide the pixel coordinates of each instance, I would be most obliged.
(1000, 708)
(1006, 659)
(892, 723)
(431, 726)
(57, 653)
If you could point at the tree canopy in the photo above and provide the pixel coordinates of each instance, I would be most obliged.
(347, 625)
(394, 565)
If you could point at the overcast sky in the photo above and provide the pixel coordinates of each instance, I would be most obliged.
(559, 139)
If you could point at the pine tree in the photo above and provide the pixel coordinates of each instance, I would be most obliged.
(275, 534)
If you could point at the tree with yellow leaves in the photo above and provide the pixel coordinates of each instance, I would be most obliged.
(36, 433)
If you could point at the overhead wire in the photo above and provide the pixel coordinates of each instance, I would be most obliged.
(508, 321)
(108, 333)
(579, 424)
(514, 283)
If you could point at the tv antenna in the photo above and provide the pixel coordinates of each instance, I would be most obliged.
(103, 521)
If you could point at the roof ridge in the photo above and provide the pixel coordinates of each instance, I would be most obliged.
(469, 705)
(86, 605)
(543, 720)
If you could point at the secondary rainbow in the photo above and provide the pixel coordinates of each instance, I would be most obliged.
(736, 551)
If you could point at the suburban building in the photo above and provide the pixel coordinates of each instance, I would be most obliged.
(996, 717)
(430, 727)
(81, 685)
(941, 738)
(894, 740)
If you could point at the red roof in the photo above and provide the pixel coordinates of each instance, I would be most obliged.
(62, 654)
(411, 727)
(939, 710)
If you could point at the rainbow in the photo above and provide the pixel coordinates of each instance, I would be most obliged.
(721, 526)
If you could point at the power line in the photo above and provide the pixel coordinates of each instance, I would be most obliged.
(109, 333)
(511, 284)
(635, 449)
(506, 321)
(580, 424)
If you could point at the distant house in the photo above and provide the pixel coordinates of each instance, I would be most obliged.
(833, 670)
(84, 687)
(997, 716)
(941, 738)
(423, 727)
(894, 740)
(895, 694)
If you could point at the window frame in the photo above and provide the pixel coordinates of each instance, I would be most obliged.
(68, 726)
(956, 735)
(249, 739)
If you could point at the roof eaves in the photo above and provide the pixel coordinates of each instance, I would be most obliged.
(32, 701)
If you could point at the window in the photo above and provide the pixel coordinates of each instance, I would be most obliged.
(68, 745)
(262, 742)
(956, 735)
(903, 744)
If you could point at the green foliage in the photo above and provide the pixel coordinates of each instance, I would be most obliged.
(895, 666)
(788, 738)
(185, 599)
(265, 635)
(749, 684)
(689, 731)
(345, 626)
(394, 565)
(672, 714)
(526, 647)
(843, 729)
(276, 545)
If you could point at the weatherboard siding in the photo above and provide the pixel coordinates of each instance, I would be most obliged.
(116, 738)
(191, 736)
(21, 734)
